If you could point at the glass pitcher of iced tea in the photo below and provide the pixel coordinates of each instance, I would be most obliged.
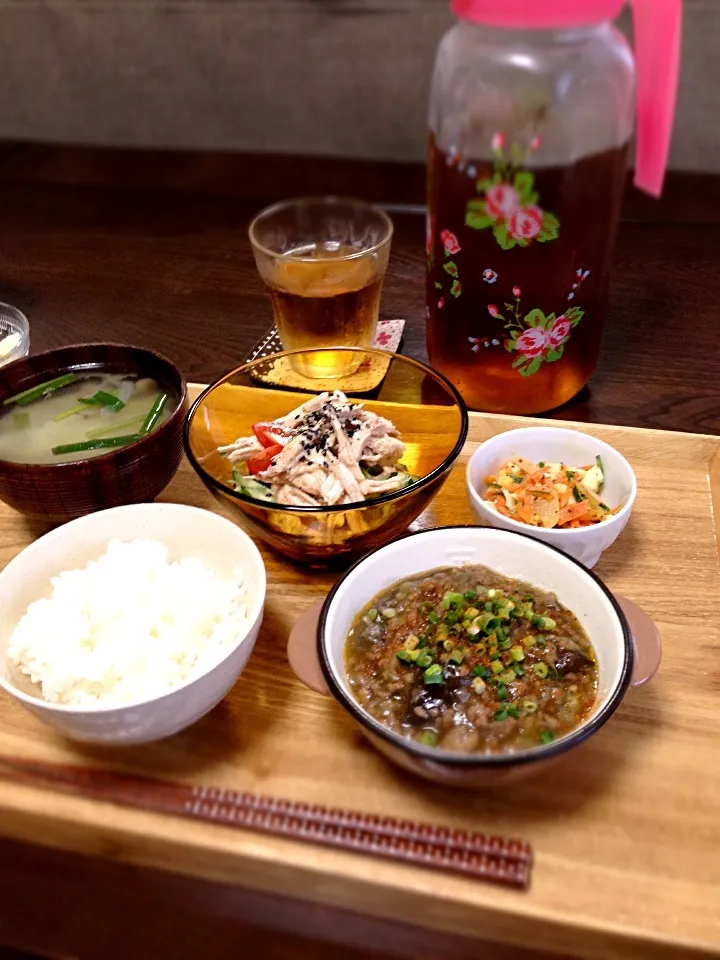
(531, 113)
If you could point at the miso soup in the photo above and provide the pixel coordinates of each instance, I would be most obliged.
(81, 415)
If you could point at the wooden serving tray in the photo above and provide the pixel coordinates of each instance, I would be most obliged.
(626, 831)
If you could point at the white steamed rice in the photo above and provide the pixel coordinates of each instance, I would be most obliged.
(128, 626)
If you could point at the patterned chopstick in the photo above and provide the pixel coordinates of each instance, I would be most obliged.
(391, 827)
(491, 858)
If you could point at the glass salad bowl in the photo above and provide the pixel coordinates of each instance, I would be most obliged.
(425, 408)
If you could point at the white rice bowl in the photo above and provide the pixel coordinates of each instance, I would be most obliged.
(130, 643)
(128, 626)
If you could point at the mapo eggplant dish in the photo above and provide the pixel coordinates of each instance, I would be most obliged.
(470, 661)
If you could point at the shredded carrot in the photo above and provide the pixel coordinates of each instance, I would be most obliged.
(574, 511)
(537, 477)
(535, 490)
(524, 513)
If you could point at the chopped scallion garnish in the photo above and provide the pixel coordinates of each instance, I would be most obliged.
(452, 601)
(104, 399)
(109, 427)
(68, 413)
(154, 413)
(86, 445)
(428, 738)
(433, 674)
(41, 390)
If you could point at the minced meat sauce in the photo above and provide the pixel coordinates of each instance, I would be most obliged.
(470, 661)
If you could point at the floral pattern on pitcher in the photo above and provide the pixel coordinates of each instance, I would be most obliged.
(450, 248)
(536, 337)
(509, 203)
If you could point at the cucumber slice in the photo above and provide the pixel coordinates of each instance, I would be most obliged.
(408, 479)
(248, 487)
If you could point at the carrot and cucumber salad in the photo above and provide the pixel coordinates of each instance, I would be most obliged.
(549, 494)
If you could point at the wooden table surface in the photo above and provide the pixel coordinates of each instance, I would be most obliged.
(151, 249)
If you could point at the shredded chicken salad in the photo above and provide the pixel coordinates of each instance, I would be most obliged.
(327, 451)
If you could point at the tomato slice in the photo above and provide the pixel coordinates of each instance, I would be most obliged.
(263, 458)
(264, 432)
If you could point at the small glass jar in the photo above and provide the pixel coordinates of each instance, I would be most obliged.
(14, 334)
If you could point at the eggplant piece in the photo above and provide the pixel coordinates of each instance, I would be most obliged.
(426, 703)
(571, 661)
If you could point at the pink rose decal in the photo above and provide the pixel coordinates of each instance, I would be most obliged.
(450, 243)
(489, 276)
(501, 201)
(526, 223)
(441, 303)
(535, 337)
(508, 202)
(558, 332)
(532, 342)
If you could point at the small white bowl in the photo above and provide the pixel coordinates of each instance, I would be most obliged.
(187, 532)
(625, 654)
(553, 445)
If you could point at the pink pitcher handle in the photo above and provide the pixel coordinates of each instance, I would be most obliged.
(658, 29)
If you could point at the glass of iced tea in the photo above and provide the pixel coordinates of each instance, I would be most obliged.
(323, 261)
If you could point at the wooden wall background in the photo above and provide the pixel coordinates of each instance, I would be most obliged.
(338, 77)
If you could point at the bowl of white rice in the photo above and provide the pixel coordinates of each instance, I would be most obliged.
(128, 625)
